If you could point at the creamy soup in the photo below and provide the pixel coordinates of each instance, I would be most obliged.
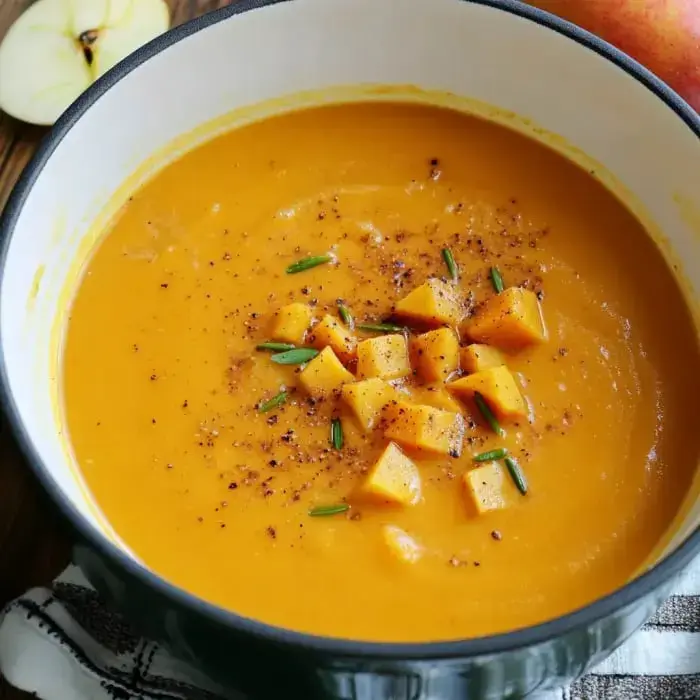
(383, 371)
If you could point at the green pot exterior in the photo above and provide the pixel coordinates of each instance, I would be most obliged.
(263, 669)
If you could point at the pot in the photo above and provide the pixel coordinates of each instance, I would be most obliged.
(533, 71)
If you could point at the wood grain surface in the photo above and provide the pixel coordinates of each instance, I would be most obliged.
(34, 543)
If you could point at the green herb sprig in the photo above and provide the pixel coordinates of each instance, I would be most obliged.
(308, 263)
(274, 402)
(491, 455)
(321, 511)
(337, 434)
(381, 327)
(275, 347)
(487, 413)
(450, 264)
(516, 473)
(497, 280)
(345, 315)
(297, 356)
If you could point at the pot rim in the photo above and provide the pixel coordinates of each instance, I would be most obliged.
(628, 594)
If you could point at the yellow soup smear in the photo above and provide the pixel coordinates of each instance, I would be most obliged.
(378, 530)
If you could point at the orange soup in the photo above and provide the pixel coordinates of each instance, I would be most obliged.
(383, 371)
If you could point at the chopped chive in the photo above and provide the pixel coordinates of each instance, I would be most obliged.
(329, 510)
(337, 433)
(297, 356)
(345, 314)
(516, 473)
(487, 413)
(497, 280)
(450, 263)
(491, 455)
(308, 263)
(274, 402)
(275, 347)
(381, 327)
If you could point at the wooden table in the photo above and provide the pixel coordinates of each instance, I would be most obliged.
(34, 544)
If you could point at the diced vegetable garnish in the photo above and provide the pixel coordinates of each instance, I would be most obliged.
(291, 322)
(425, 428)
(498, 388)
(435, 355)
(324, 374)
(484, 487)
(394, 478)
(367, 398)
(329, 331)
(511, 320)
(424, 414)
(478, 357)
(434, 303)
(401, 544)
(435, 395)
(385, 357)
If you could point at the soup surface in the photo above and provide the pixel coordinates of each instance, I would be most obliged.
(215, 480)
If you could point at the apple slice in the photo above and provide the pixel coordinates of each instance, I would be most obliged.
(57, 48)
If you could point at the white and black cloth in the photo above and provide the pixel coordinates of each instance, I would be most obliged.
(63, 644)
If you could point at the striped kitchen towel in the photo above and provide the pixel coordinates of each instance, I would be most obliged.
(62, 644)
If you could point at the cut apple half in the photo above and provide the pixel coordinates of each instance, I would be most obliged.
(58, 48)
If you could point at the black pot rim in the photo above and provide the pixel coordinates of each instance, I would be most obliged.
(525, 637)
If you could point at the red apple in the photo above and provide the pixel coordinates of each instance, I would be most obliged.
(663, 35)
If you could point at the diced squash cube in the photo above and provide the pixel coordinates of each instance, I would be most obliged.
(425, 428)
(330, 332)
(291, 322)
(385, 356)
(433, 303)
(324, 374)
(394, 478)
(478, 357)
(499, 389)
(510, 320)
(435, 355)
(367, 398)
(437, 396)
(484, 487)
(401, 544)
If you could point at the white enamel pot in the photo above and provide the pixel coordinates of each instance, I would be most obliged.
(520, 61)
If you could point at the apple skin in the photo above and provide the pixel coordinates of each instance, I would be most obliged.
(663, 35)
